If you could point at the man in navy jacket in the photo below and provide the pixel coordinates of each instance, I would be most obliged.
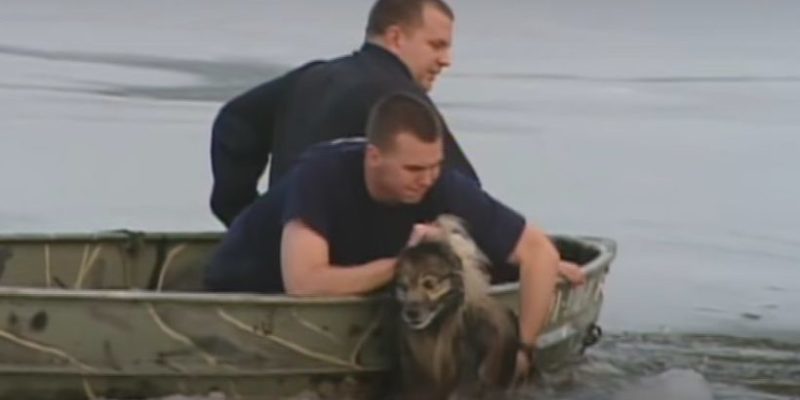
(408, 43)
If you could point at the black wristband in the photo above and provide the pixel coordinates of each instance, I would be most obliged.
(528, 349)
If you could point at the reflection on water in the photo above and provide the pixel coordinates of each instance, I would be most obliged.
(218, 81)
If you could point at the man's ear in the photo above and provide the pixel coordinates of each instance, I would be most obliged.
(373, 154)
(393, 37)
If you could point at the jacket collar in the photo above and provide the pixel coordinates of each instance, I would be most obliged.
(385, 56)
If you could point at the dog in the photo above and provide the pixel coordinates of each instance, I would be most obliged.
(454, 339)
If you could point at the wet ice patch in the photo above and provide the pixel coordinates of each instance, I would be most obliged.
(673, 384)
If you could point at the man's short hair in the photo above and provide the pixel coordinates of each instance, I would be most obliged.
(385, 13)
(402, 112)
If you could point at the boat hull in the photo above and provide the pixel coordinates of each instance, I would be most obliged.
(122, 315)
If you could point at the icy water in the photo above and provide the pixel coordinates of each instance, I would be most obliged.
(668, 126)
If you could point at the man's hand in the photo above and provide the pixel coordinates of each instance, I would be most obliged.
(523, 368)
(572, 273)
(420, 231)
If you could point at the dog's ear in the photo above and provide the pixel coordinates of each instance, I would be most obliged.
(452, 257)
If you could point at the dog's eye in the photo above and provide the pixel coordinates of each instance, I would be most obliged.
(429, 283)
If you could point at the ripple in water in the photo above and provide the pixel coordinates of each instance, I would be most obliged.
(731, 368)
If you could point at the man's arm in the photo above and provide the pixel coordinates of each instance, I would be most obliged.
(538, 262)
(240, 149)
(307, 271)
(241, 143)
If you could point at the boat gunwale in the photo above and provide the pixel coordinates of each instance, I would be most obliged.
(110, 235)
(606, 252)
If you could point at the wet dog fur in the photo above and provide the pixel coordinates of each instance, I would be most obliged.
(454, 339)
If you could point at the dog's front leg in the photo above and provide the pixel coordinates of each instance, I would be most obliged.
(499, 339)
(415, 381)
(468, 359)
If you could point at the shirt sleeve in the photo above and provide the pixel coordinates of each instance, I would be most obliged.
(495, 227)
(310, 196)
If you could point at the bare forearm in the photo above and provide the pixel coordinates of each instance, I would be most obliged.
(336, 280)
(538, 275)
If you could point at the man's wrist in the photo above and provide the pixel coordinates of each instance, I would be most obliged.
(528, 349)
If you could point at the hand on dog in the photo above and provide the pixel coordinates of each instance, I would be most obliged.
(420, 231)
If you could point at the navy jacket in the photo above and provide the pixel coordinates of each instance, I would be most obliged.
(317, 102)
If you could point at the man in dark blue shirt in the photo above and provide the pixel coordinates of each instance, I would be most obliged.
(407, 45)
(334, 225)
(328, 193)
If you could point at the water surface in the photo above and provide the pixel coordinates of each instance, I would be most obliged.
(668, 126)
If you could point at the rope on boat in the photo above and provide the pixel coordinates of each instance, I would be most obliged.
(45, 349)
(211, 360)
(555, 312)
(47, 277)
(87, 387)
(85, 256)
(285, 343)
(373, 325)
(233, 391)
(87, 264)
(313, 327)
(170, 256)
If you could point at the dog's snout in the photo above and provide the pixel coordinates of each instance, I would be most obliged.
(411, 313)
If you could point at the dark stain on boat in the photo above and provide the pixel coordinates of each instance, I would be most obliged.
(39, 321)
(5, 255)
(216, 345)
(355, 330)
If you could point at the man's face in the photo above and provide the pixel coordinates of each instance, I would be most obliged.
(426, 49)
(406, 171)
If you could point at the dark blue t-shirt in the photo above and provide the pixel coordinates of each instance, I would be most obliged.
(327, 191)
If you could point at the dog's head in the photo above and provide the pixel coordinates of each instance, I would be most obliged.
(428, 283)
(451, 224)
